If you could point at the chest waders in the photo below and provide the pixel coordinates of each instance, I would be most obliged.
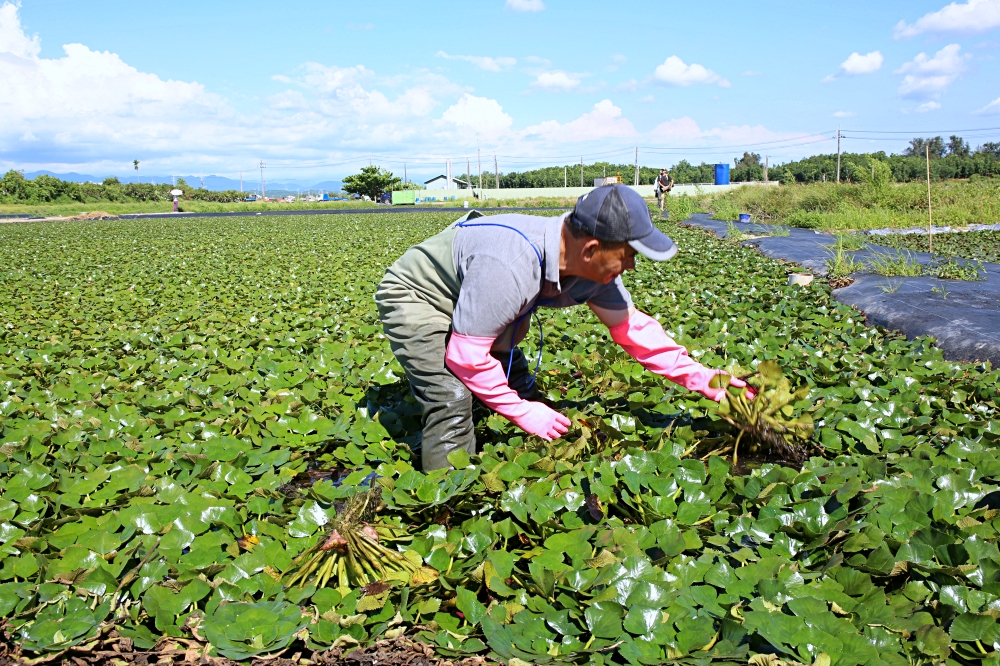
(531, 311)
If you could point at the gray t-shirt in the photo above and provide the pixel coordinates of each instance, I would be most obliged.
(500, 275)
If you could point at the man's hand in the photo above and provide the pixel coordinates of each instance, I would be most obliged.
(718, 394)
(539, 419)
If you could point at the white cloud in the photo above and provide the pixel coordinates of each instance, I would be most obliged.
(677, 128)
(928, 106)
(993, 108)
(556, 80)
(675, 72)
(962, 18)
(619, 58)
(844, 114)
(857, 64)
(862, 64)
(686, 130)
(89, 98)
(13, 40)
(603, 122)
(926, 77)
(483, 62)
(524, 5)
(478, 113)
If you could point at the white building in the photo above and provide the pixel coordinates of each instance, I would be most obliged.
(441, 183)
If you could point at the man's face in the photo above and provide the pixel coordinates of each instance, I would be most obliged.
(605, 265)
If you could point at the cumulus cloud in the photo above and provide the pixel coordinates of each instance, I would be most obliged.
(479, 114)
(483, 62)
(524, 5)
(926, 77)
(686, 130)
(603, 122)
(556, 80)
(674, 72)
(12, 37)
(928, 106)
(862, 64)
(87, 97)
(342, 91)
(957, 18)
(857, 65)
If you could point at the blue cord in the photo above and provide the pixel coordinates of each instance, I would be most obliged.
(532, 311)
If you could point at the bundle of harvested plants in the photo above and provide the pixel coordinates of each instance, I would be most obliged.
(767, 420)
(353, 553)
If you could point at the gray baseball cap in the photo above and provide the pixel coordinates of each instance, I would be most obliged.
(618, 213)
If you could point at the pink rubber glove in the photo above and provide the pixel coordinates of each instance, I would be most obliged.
(646, 341)
(468, 357)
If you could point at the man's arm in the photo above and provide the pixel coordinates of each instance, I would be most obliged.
(468, 358)
(645, 340)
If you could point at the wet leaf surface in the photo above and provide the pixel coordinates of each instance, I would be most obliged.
(189, 411)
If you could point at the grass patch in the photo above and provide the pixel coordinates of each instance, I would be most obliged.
(895, 264)
(841, 262)
(829, 206)
(733, 233)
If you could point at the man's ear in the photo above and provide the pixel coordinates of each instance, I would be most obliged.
(589, 249)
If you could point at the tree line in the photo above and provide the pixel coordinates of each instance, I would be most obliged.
(45, 189)
(953, 158)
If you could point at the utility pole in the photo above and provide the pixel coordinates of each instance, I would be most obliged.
(404, 174)
(930, 215)
(767, 161)
(263, 195)
(581, 171)
(496, 171)
(636, 165)
(479, 160)
(838, 154)
(468, 172)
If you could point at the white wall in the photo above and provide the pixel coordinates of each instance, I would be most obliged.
(573, 192)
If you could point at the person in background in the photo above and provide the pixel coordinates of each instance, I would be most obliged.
(664, 183)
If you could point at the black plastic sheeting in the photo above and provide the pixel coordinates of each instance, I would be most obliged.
(963, 316)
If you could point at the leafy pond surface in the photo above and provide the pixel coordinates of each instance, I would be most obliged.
(976, 245)
(186, 407)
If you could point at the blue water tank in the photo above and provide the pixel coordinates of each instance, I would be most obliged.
(721, 174)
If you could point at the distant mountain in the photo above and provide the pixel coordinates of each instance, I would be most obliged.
(69, 177)
(328, 186)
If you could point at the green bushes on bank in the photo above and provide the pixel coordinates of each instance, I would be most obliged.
(16, 189)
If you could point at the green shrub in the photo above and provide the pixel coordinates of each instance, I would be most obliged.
(804, 220)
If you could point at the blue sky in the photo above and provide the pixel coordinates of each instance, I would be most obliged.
(313, 88)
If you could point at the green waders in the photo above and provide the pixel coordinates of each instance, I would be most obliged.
(415, 301)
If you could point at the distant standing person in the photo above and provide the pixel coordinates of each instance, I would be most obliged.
(664, 183)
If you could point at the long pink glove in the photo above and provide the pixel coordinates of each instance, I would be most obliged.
(646, 341)
(468, 357)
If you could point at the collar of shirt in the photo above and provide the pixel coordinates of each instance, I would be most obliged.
(551, 247)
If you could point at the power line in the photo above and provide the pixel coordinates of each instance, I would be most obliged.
(978, 129)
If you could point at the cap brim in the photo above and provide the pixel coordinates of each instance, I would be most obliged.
(656, 246)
